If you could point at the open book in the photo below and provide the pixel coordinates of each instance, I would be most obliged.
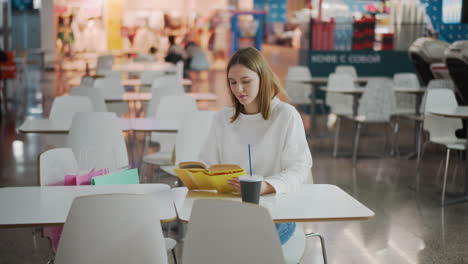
(196, 176)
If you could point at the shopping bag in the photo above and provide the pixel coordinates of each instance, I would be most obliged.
(129, 176)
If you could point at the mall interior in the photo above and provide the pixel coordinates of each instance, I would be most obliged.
(233, 131)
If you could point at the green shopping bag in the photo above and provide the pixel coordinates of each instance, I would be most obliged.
(120, 177)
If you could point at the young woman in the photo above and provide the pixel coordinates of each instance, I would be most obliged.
(273, 129)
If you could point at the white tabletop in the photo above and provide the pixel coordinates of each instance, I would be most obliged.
(154, 125)
(125, 82)
(459, 112)
(49, 205)
(46, 126)
(356, 90)
(144, 66)
(362, 79)
(146, 96)
(313, 203)
(57, 126)
(410, 90)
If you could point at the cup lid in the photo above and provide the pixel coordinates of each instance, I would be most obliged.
(253, 178)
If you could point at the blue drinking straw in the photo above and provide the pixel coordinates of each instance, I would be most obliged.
(250, 161)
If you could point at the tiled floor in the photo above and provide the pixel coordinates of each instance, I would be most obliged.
(409, 227)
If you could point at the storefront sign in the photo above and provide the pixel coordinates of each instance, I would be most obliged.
(367, 63)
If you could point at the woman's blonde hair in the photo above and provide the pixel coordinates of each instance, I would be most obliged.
(270, 85)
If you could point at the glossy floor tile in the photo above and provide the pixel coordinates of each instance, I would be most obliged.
(409, 226)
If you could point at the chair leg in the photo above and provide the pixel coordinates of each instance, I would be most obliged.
(419, 139)
(445, 176)
(322, 242)
(395, 146)
(337, 137)
(174, 256)
(419, 158)
(356, 141)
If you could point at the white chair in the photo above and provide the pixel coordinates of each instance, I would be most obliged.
(162, 87)
(93, 94)
(298, 91)
(231, 232)
(347, 69)
(298, 73)
(190, 138)
(54, 164)
(147, 77)
(168, 82)
(442, 129)
(340, 104)
(114, 228)
(172, 107)
(376, 105)
(405, 103)
(112, 87)
(63, 109)
(97, 141)
(104, 64)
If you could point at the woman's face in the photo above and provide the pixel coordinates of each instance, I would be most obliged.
(244, 84)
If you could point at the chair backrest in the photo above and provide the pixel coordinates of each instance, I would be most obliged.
(347, 69)
(147, 77)
(104, 63)
(109, 86)
(340, 81)
(231, 232)
(298, 73)
(440, 128)
(298, 92)
(97, 141)
(378, 101)
(406, 102)
(160, 91)
(168, 81)
(436, 84)
(93, 94)
(112, 228)
(406, 80)
(441, 84)
(192, 135)
(65, 107)
(176, 107)
(54, 164)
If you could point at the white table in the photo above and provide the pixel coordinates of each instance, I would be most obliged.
(124, 82)
(462, 113)
(136, 96)
(144, 66)
(47, 126)
(49, 205)
(313, 203)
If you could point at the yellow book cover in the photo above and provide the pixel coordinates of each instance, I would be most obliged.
(196, 176)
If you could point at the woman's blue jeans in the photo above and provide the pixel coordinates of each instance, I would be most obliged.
(285, 231)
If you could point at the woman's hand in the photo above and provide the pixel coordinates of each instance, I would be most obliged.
(265, 189)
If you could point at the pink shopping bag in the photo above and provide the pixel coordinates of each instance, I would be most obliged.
(54, 233)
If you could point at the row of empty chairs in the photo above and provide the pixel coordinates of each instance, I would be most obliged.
(228, 232)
